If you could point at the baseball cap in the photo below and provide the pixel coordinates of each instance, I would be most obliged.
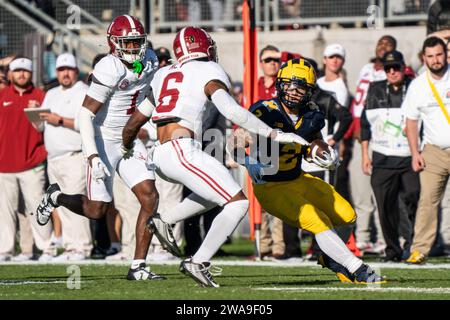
(21, 64)
(393, 58)
(66, 60)
(334, 49)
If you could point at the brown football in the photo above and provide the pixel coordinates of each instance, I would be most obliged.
(322, 148)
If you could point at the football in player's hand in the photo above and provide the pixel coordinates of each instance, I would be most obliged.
(318, 148)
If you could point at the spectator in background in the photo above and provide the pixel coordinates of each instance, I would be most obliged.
(269, 62)
(389, 167)
(360, 188)
(66, 165)
(425, 101)
(164, 57)
(272, 243)
(3, 77)
(333, 61)
(22, 158)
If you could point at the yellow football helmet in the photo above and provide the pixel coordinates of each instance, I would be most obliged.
(294, 74)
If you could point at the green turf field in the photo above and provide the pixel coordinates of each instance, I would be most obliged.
(253, 280)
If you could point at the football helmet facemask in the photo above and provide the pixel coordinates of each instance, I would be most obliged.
(295, 83)
(127, 38)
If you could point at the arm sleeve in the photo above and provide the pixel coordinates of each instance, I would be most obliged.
(365, 127)
(87, 132)
(228, 107)
(146, 107)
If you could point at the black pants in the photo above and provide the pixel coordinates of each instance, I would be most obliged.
(390, 186)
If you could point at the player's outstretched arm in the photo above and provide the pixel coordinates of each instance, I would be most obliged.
(136, 121)
(228, 107)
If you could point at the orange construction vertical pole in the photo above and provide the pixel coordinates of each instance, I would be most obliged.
(250, 96)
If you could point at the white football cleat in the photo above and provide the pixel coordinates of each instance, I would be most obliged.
(199, 272)
(163, 231)
(22, 257)
(143, 273)
(45, 208)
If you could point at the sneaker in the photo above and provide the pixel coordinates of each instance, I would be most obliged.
(46, 257)
(341, 272)
(5, 257)
(379, 247)
(119, 256)
(416, 258)
(22, 257)
(365, 275)
(163, 231)
(143, 273)
(70, 255)
(45, 208)
(199, 272)
(98, 253)
(112, 251)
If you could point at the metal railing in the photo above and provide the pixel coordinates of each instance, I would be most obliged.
(220, 15)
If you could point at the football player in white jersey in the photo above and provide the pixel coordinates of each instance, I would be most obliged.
(181, 92)
(120, 82)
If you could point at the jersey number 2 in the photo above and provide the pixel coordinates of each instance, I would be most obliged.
(173, 93)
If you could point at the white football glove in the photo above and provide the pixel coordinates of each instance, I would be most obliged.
(289, 137)
(329, 163)
(99, 169)
(126, 153)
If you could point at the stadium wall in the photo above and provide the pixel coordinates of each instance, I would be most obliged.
(359, 44)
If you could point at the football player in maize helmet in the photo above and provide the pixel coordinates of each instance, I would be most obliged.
(296, 81)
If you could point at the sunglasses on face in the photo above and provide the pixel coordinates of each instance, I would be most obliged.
(395, 67)
(270, 59)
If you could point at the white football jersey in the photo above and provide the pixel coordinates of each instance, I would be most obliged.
(128, 91)
(179, 92)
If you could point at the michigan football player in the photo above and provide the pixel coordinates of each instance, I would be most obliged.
(298, 198)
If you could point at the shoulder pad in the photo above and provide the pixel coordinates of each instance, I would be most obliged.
(109, 70)
(312, 122)
(150, 59)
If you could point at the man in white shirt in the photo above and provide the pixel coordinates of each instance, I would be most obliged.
(428, 100)
(333, 61)
(65, 158)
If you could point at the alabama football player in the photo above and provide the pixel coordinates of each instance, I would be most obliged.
(180, 93)
(120, 82)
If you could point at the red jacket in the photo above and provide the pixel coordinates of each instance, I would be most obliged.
(21, 145)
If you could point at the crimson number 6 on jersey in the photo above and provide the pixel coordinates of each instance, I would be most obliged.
(173, 93)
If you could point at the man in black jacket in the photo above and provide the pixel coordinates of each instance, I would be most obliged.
(382, 125)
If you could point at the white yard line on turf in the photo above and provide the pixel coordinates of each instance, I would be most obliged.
(249, 263)
(20, 283)
(366, 288)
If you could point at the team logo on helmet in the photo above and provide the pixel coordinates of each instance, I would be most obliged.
(191, 39)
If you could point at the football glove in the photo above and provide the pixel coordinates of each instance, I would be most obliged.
(331, 159)
(255, 170)
(99, 169)
(126, 153)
